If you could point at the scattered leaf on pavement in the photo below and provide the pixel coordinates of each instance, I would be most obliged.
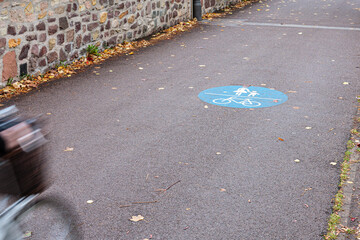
(297, 160)
(281, 139)
(333, 163)
(27, 234)
(222, 190)
(89, 201)
(69, 149)
(136, 218)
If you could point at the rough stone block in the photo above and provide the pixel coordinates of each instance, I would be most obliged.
(77, 26)
(70, 35)
(108, 25)
(75, 55)
(60, 10)
(24, 52)
(52, 29)
(123, 14)
(42, 37)
(31, 37)
(11, 30)
(86, 38)
(43, 51)
(131, 19)
(2, 42)
(41, 26)
(42, 63)
(23, 30)
(52, 57)
(92, 26)
(60, 39)
(68, 7)
(52, 43)
(78, 41)
(68, 48)
(10, 66)
(63, 23)
(35, 50)
(63, 55)
(103, 17)
(23, 69)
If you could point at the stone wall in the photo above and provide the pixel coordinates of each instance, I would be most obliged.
(37, 34)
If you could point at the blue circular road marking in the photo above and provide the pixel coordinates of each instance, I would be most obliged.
(243, 97)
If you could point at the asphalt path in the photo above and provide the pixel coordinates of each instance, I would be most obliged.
(139, 127)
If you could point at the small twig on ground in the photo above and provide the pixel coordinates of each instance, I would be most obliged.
(172, 185)
(145, 202)
(121, 206)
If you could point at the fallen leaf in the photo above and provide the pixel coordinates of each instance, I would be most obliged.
(202, 66)
(281, 139)
(300, 33)
(218, 153)
(306, 205)
(48, 114)
(206, 106)
(27, 234)
(296, 108)
(249, 201)
(222, 190)
(333, 163)
(346, 83)
(68, 149)
(187, 209)
(350, 182)
(297, 160)
(136, 218)
(308, 128)
(291, 91)
(114, 88)
(110, 70)
(141, 68)
(161, 88)
(89, 201)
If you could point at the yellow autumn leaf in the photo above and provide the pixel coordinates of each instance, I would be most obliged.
(136, 218)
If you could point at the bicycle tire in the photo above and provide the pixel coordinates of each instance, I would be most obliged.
(253, 104)
(49, 218)
(221, 101)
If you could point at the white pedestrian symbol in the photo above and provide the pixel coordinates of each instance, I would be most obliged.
(241, 91)
(253, 94)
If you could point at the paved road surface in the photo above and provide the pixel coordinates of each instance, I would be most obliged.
(130, 141)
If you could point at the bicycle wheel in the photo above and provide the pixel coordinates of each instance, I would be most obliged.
(251, 104)
(49, 218)
(222, 101)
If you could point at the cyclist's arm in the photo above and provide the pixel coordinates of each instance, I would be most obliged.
(9, 137)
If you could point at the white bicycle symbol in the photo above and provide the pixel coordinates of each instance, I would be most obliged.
(245, 102)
